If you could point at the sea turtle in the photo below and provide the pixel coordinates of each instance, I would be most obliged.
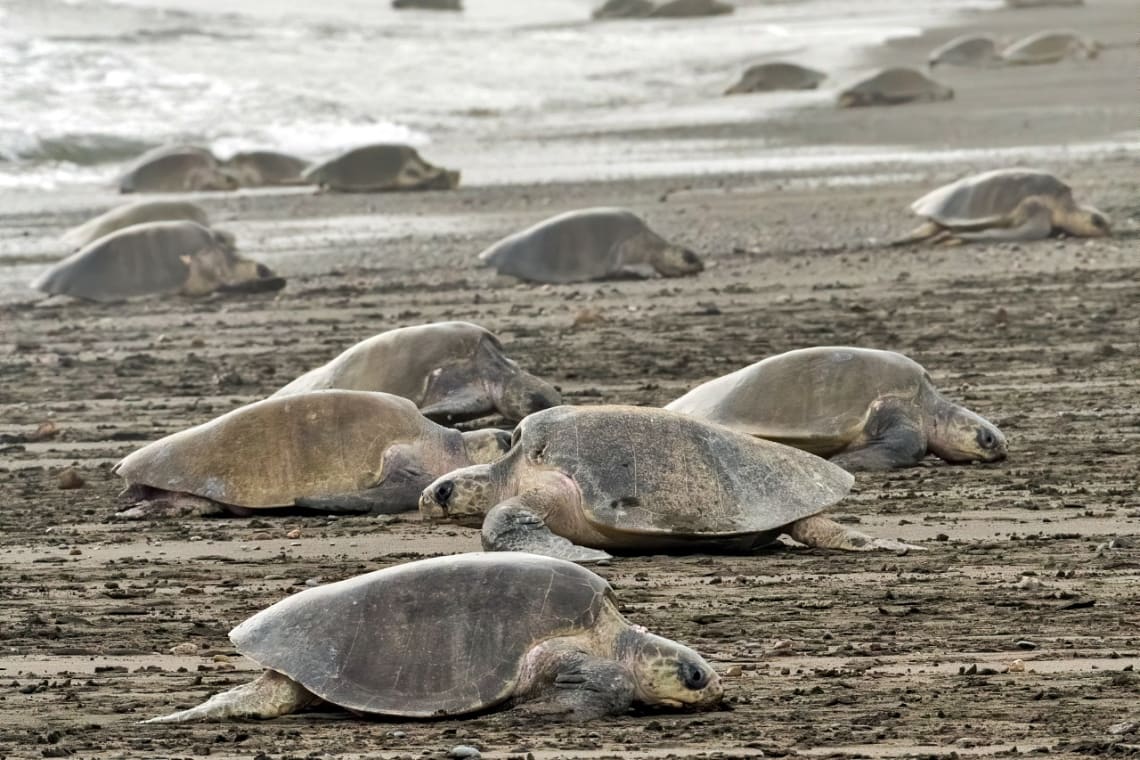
(260, 168)
(578, 480)
(624, 9)
(335, 451)
(380, 168)
(690, 9)
(966, 50)
(778, 75)
(588, 244)
(893, 86)
(456, 635)
(864, 409)
(1050, 47)
(131, 214)
(156, 258)
(175, 168)
(453, 371)
(428, 5)
(1004, 204)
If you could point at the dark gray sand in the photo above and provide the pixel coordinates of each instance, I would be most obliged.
(1015, 633)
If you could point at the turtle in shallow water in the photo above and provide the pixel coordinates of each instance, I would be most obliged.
(862, 408)
(453, 371)
(1004, 204)
(174, 169)
(1050, 47)
(967, 50)
(334, 451)
(131, 214)
(778, 75)
(889, 87)
(581, 481)
(157, 258)
(589, 244)
(428, 5)
(262, 168)
(380, 168)
(691, 9)
(623, 9)
(457, 635)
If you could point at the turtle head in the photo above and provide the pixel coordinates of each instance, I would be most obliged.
(514, 392)
(485, 446)
(959, 435)
(667, 673)
(462, 496)
(1086, 221)
(675, 261)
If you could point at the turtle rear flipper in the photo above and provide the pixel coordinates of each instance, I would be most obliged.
(511, 527)
(268, 696)
(823, 533)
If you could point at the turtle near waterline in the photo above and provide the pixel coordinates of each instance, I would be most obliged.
(380, 168)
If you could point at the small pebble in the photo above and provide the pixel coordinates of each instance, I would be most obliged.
(733, 671)
(295, 533)
(1028, 583)
(184, 649)
(1017, 666)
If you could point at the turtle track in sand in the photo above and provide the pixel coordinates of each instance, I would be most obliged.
(826, 653)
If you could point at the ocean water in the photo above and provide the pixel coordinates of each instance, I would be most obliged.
(87, 84)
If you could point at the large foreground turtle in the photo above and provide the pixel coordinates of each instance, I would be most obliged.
(966, 50)
(157, 258)
(380, 168)
(130, 214)
(1004, 204)
(457, 635)
(582, 479)
(862, 408)
(453, 371)
(1050, 47)
(893, 86)
(588, 244)
(261, 168)
(336, 451)
(777, 75)
(173, 169)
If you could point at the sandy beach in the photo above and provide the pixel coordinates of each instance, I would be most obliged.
(1015, 632)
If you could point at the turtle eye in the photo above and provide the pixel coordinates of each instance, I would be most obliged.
(693, 676)
(263, 271)
(689, 257)
(443, 492)
(986, 438)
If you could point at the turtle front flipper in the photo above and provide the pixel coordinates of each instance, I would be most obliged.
(268, 696)
(823, 533)
(569, 683)
(892, 437)
(1031, 220)
(402, 480)
(511, 527)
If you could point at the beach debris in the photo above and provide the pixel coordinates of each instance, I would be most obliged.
(1004, 204)
(1028, 583)
(453, 371)
(489, 629)
(894, 86)
(1017, 666)
(584, 479)
(184, 649)
(967, 50)
(778, 75)
(428, 5)
(589, 244)
(262, 168)
(69, 479)
(847, 404)
(1050, 46)
(131, 214)
(175, 168)
(157, 258)
(335, 451)
(464, 752)
(380, 168)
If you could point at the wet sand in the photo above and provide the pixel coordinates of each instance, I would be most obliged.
(824, 654)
